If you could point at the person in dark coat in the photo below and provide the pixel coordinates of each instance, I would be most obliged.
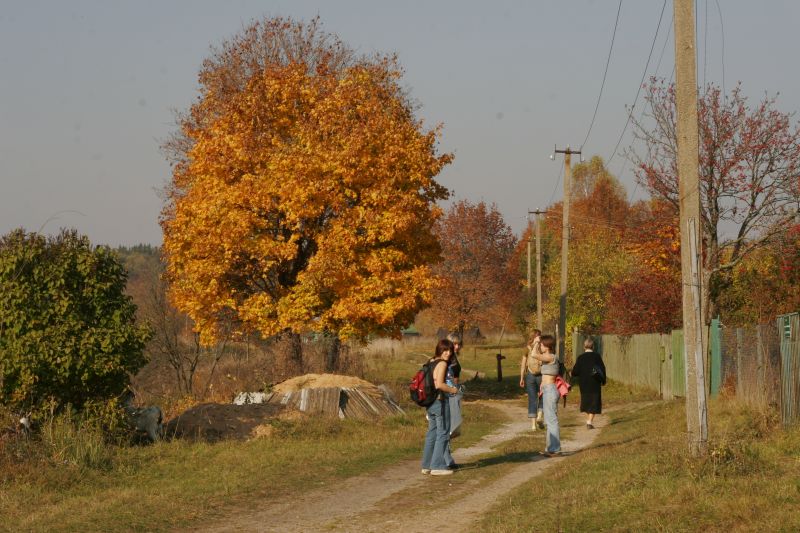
(591, 374)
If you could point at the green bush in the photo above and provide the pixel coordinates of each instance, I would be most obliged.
(67, 329)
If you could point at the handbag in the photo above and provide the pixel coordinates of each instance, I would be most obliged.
(599, 375)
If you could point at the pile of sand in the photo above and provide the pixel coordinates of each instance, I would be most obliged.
(321, 381)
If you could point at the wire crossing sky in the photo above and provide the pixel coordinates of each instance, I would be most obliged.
(88, 90)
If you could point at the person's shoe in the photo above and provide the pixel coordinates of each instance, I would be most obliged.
(426, 471)
(589, 425)
(551, 454)
(540, 423)
(454, 466)
(441, 472)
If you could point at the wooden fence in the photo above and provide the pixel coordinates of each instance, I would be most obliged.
(758, 364)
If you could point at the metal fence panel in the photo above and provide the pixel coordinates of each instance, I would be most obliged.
(788, 326)
(678, 364)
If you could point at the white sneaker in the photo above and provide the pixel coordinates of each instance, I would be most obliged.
(426, 471)
(441, 472)
(533, 424)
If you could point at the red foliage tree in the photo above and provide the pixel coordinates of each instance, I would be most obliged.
(477, 283)
(749, 165)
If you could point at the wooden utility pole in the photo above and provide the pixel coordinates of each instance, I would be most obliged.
(562, 301)
(689, 190)
(538, 267)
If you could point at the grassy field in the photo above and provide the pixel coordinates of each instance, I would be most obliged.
(175, 484)
(638, 476)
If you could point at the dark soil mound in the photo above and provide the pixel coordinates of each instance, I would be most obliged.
(212, 422)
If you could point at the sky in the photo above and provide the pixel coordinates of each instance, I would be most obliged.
(89, 90)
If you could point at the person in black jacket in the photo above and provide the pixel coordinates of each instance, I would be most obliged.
(591, 374)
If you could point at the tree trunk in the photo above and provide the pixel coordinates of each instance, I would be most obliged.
(332, 355)
(296, 351)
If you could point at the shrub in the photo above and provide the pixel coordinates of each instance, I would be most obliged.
(67, 328)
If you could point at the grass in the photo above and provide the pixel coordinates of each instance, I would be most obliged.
(177, 484)
(638, 476)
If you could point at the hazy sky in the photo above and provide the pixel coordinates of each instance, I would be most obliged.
(88, 89)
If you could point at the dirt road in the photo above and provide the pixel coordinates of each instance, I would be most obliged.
(397, 498)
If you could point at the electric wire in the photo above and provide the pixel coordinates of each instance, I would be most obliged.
(646, 66)
(558, 181)
(705, 44)
(605, 73)
(722, 25)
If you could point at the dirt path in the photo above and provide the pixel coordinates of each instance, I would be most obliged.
(390, 500)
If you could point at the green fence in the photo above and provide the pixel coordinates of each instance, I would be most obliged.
(759, 364)
(788, 326)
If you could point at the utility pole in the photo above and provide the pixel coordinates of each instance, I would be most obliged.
(688, 158)
(562, 301)
(529, 253)
(538, 267)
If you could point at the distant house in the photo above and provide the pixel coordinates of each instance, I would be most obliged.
(410, 331)
(470, 334)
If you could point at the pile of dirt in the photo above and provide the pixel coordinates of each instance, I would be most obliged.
(321, 381)
(211, 422)
(311, 394)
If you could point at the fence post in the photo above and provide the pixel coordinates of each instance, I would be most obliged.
(715, 346)
(739, 335)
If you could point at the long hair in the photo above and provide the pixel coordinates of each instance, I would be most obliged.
(443, 346)
(549, 342)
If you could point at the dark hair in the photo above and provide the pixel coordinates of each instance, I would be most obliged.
(535, 333)
(549, 342)
(443, 346)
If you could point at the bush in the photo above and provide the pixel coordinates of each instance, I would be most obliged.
(67, 328)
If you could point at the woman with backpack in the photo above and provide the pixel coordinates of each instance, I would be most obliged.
(438, 436)
(591, 373)
(545, 353)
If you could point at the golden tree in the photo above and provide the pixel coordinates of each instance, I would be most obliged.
(303, 193)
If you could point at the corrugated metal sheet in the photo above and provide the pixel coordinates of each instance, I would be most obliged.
(355, 402)
(789, 333)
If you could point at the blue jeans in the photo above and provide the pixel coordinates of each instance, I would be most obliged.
(550, 399)
(438, 436)
(532, 385)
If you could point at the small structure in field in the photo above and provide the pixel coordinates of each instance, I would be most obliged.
(329, 394)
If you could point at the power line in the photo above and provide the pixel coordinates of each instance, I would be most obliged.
(646, 66)
(722, 24)
(705, 44)
(663, 48)
(558, 181)
(605, 73)
(638, 91)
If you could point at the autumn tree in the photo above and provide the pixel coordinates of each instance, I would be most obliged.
(597, 257)
(476, 273)
(647, 299)
(766, 283)
(67, 328)
(749, 163)
(303, 191)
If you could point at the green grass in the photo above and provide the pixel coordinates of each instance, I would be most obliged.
(638, 476)
(177, 484)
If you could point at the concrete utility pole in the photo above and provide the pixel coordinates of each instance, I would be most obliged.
(689, 190)
(529, 253)
(562, 313)
(538, 267)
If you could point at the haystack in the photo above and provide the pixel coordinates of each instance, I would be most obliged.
(332, 394)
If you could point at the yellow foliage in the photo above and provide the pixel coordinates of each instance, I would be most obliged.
(305, 203)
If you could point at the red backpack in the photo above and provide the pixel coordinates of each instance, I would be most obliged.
(422, 388)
